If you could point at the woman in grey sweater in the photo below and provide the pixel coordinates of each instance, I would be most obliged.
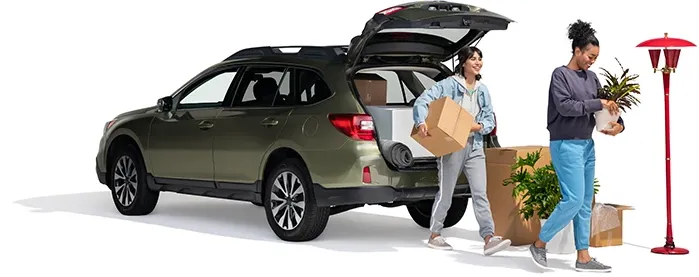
(571, 106)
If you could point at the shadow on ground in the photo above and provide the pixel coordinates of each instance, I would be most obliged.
(351, 231)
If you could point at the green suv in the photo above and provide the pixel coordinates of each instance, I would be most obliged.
(288, 131)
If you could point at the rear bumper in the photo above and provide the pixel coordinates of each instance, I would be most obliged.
(326, 197)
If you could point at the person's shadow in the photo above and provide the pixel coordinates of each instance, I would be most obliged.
(351, 231)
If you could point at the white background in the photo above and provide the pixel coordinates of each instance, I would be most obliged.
(67, 67)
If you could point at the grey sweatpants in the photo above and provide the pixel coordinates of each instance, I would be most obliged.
(450, 166)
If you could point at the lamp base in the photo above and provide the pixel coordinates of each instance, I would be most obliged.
(670, 250)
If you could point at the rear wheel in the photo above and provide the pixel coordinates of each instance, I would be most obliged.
(290, 204)
(127, 181)
(421, 212)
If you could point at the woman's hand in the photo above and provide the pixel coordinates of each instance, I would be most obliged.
(611, 106)
(422, 130)
(614, 130)
(475, 127)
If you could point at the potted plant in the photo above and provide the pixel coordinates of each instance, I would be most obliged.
(620, 90)
(540, 193)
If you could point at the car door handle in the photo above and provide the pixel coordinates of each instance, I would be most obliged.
(269, 122)
(205, 125)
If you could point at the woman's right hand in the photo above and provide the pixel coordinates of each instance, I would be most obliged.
(422, 130)
(611, 106)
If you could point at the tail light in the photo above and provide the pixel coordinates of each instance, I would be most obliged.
(495, 129)
(355, 126)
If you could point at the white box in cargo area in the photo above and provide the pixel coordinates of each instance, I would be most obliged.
(396, 123)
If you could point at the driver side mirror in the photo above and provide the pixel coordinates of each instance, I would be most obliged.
(165, 104)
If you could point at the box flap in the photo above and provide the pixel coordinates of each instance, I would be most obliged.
(508, 155)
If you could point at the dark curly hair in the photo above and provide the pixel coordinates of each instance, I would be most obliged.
(465, 54)
(582, 34)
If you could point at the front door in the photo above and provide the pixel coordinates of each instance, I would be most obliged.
(181, 141)
(247, 130)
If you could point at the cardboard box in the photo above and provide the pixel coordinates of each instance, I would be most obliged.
(449, 126)
(372, 89)
(611, 237)
(395, 123)
(505, 208)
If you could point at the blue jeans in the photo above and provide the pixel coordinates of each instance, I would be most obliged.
(574, 162)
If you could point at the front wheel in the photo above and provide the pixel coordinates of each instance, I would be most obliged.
(290, 204)
(421, 212)
(127, 182)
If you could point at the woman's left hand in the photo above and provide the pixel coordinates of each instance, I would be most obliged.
(475, 127)
(615, 130)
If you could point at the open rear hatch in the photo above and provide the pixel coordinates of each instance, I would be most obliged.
(434, 30)
(424, 33)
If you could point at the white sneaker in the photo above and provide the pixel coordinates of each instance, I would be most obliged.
(439, 243)
(496, 244)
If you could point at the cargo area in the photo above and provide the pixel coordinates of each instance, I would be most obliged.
(388, 94)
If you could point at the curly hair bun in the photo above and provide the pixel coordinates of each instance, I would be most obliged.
(580, 30)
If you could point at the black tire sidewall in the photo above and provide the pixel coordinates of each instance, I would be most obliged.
(422, 217)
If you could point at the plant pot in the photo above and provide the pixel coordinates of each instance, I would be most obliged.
(602, 119)
(563, 242)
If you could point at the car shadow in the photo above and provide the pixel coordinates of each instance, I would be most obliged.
(352, 231)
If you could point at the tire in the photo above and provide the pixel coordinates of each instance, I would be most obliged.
(421, 212)
(127, 161)
(313, 219)
(258, 204)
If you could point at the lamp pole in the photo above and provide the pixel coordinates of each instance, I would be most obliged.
(670, 48)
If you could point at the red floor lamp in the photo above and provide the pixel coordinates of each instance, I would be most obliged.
(671, 49)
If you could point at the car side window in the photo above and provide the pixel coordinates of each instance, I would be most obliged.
(210, 93)
(263, 86)
(310, 87)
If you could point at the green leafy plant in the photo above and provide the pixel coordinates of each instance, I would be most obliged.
(538, 187)
(620, 89)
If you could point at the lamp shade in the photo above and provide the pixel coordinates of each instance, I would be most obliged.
(672, 56)
(654, 57)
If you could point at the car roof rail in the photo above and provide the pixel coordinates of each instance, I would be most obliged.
(321, 52)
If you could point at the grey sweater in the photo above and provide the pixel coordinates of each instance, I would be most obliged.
(572, 103)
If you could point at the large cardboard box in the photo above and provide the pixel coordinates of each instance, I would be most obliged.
(449, 126)
(505, 208)
(601, 235)
(394, 124)
(372, 89)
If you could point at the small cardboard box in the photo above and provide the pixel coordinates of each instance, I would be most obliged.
(504, 207)
(372, 89)
(448, 126)
(611, 237)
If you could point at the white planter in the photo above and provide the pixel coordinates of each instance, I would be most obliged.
(602, 119)
(563, 242)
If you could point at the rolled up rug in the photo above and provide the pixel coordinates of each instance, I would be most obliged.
(398, 154)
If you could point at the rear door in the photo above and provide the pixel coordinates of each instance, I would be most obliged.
(436, 30)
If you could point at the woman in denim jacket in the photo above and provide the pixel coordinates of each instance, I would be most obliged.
(465, 88)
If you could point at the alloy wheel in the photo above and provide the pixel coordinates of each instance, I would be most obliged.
(125, 180)
(287, 200)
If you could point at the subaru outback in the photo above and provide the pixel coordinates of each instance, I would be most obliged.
(285, 127)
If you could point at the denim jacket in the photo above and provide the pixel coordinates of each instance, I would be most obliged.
(454, 89)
